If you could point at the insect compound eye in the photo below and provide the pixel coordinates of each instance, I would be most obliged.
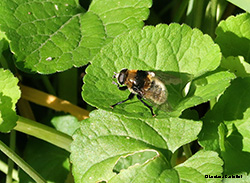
(122, 76)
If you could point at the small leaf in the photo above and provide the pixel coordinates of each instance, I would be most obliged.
(237, 65)
(206, 88)
(243, 4)
(66, 124)
(8, 86)
(175, 50)
(233, 36)
(8, 116)
(63, 35)
(199, 165)
(105, 138)
(9, 94)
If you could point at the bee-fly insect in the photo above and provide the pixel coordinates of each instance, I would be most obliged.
(143, 84)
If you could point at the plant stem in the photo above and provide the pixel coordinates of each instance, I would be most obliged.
(4, 169)
(210, 18)
(181, 10)
(53, 102)
(48, 85)
(212, 103)
(214, 4)
(43, 132)
(195, 13)
(221, 7)
(10, 162)
(174, 158)
(67, 85)
(222, 134)
(187, 150)
(21, 163)
(3, 62)
(198, 15)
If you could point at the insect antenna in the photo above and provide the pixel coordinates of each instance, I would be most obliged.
(114, 76)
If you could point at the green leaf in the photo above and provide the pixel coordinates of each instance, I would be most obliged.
(50, 161)
(66, 124)
(233, 36)
(8, 116)
(206, 88)
(237, 65)
(236, 156)
(120, 16)
(226, 127)
(2, 35)
(3, 42)
(243, 4)
(133, 159)
(8, 86)
(175, 50)
(153, 171)
(105, 139)
(9, 94)
(201, 164)
(63, 35)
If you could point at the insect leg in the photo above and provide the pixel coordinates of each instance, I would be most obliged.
(122, 87)
(148, 106)
(131, 95)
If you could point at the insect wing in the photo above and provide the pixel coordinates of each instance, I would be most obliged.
(174, 83)
(167, 78)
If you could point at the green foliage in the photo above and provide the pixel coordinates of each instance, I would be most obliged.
(233, 141)
(200, 164)
(63, 34)
(66, 124)
(117, 137)
(39, 155)
(237, 65)
(3, 42)
(233, 36)
(9, 94)
(202, 59)
(244, 4)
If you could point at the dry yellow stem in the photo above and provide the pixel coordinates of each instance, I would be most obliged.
(51, 101)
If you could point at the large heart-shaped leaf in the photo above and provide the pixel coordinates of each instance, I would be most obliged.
(112, 148)
(169, 50)
(49, 36)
